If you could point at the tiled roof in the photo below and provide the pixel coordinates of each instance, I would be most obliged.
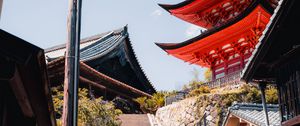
(102, 47)
(254, 113)
(59, 50)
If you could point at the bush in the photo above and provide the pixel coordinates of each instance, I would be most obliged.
(199, 91)
(271, 95)
(253, 95)
(150, 105)
(91, 112)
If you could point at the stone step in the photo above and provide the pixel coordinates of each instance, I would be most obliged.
(134, 120)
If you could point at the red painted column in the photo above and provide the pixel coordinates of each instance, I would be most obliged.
(242, 64)
(226, 67)
(213, 72)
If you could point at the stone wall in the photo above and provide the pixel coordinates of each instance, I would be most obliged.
(181, 113)
(188, 112)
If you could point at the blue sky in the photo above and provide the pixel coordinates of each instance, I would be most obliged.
(43, 23)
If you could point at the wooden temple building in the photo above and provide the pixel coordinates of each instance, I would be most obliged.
(25, 97)
(276, 60)
(108, 67)
(233, 28)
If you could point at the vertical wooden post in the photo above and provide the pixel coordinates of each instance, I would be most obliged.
(262, 87)
(69, 117)
(242, 61)
(213, 73)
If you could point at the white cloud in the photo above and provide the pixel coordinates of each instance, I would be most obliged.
(156, 13)
(192, 31)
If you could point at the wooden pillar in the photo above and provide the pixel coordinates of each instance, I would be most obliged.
(213, 73)
(226, 67)
(262, 87)
(242, 64)
(69, 116)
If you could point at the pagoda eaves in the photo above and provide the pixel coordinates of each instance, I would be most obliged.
(209, 13)
(228, 45)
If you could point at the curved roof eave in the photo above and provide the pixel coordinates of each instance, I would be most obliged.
(252, 6)
(250, 68)
(169, 7)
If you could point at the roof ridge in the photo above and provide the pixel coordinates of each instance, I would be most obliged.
(99, 39)
(87, 39)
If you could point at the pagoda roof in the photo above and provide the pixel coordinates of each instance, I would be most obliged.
(171, 46)
(108, 49)
(207, 13)
(210, 13)
(213, 36)
(278, 44)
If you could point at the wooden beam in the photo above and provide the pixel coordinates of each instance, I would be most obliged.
(85, 69)
(292, 122)
(103, 88)
(21, 94)
(93, 72)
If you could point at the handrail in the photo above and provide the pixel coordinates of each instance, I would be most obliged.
(202, 121)
(230, 79)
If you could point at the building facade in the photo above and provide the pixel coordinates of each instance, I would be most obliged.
(233, 28)
(276, 60)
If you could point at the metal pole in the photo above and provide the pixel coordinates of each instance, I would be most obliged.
(69, 117)
(262, 88)
(204, 123)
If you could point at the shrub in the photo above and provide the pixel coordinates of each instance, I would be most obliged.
(199, 91)
(271, 95)
(150, 105)
(91, 112)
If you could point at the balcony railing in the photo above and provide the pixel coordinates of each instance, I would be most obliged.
(230, 79)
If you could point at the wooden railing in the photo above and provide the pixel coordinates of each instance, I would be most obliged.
(202, 121)
(174, 98)
(231, 79)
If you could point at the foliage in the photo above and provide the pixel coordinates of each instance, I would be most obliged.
(199, 91)
(124, 105)
(207, 75)
(195, 84)
(252, 94)
(221, 101)
(168, 93)
(271, 95)
(150, 105)
(91, 112)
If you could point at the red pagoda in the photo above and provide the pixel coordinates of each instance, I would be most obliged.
(233, 29)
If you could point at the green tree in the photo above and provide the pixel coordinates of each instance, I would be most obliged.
(271, 95)
(91, 112)
(207, 75)
(150, 105)
(199, 91)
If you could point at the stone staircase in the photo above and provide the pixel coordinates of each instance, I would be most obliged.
(134, 120)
